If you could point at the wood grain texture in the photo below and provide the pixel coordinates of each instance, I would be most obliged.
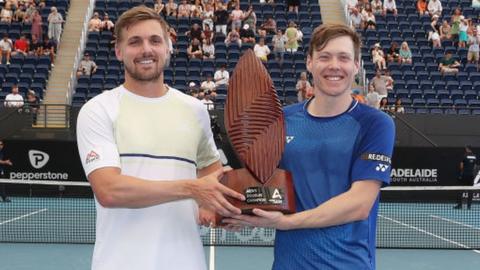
(254, 118)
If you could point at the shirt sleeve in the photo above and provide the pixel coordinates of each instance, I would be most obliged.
(374, 154)
(95, 138)
(207, 150)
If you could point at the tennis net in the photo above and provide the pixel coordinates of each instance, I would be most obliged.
(408, 217)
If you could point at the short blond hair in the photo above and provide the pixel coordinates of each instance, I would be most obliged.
(135, 15)
(326, 32)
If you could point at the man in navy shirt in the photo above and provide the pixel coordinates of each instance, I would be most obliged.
(467, 176)
(339, 153)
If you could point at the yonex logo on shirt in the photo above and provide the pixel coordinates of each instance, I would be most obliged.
(381, 167)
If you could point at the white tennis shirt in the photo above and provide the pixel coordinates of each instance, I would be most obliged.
(165, 138)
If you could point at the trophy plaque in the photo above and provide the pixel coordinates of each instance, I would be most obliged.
(255, 127)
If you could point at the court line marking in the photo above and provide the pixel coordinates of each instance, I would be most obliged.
(455, 222)
(429, 233)
(24, 216)
(458, 223)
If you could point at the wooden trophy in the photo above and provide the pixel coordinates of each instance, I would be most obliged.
(255, 127)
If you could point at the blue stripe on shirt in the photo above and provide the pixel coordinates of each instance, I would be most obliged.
(158, 157)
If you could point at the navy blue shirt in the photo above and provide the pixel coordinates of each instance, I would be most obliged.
(325, 156)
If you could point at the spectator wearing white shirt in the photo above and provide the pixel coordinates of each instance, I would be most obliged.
(236, 16)
(351, 4)
(377, 7)
(435, 8)
(208, 102)
(278, 42)
(208, 49)
(356, 19)
(261, 50)
(221, 76)
(208, 86)
(6, 47)
(389, 6)
(14, 100)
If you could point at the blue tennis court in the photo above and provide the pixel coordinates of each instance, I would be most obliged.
(58, 233)
(77, 257)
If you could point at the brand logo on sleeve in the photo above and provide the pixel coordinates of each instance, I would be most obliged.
(381, 167)
(377, 157)
(289, 138)
(91, 157)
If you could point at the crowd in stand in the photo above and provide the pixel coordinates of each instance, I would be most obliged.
(461, 31)
(218, 18)
(36, 42)
(32, 41)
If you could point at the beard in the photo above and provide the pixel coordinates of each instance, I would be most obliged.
(147, 76)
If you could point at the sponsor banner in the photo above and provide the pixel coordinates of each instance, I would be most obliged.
(421, 166)
(44, 160)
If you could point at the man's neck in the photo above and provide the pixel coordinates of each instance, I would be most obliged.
(147, 89)
(328, 106)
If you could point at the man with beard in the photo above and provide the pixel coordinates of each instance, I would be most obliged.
(148, 152)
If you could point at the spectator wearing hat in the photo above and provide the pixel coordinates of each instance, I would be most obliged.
(87, 66)
(95, 24)
(247, 35)
(55, 21)
(193, 89)
(378, 57)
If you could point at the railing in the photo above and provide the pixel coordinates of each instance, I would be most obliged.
(40, 115)
(72, 84)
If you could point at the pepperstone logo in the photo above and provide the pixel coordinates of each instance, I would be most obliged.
(91, 157)
(38, 159)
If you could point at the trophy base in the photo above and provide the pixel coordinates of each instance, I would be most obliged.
(277, 194)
